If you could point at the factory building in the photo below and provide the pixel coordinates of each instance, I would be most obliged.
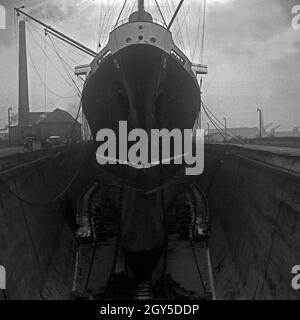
(39, 125)
(43, 125)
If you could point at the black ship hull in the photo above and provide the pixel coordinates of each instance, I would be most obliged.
(148, 88)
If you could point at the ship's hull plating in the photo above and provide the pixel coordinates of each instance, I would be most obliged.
(149, 89)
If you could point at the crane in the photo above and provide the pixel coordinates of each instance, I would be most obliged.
(273, 131)
(275, 128)
(268, 126)
(264, 129)
(296, 129)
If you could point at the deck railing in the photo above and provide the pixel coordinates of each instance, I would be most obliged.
(124, 21)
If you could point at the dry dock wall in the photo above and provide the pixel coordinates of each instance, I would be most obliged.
(255, 224)
(36, 241)
(254, 200)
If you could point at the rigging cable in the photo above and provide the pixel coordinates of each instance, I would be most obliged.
(69, 47)
(124, 4)
(53, 50)
(211, 113)
(75, 62)
(217, 120)
(160, 12)
(71, 13)
(78, 93)
(203, 32)
(64, 66)
(177, 33)
(130, 9)
(107, 18)
(213, 122)
(53, 64)
(63, 53)
(176, 25)
(198, 30)
(101, 24)
(41, 79)
(36, 3)
(110, 14)
(189, 43)
(45, 74)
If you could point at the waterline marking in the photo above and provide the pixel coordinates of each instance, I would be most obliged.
(183, 147)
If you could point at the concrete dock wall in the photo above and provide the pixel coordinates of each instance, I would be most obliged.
(36, 241)
(255, 212)
(254, 203)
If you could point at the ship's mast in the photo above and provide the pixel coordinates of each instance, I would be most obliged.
(57, 34)
(175, 14)
(141, 5)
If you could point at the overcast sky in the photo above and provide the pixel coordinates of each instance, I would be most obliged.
(251, 49)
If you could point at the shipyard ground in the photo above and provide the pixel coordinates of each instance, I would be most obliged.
(253, 195)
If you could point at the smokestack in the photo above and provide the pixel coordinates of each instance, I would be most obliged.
(23, 77)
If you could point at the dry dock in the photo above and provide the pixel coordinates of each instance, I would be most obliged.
(253, 194)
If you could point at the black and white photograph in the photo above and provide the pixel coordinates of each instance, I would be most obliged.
(149, 153)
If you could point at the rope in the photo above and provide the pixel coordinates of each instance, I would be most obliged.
(160, 12)
(203, 32)
(64, 61)
(186, 27)
(124, 4)
(109, 15)
(45, 74)
(71, 13)
(36, 3)
(66, 53)
(41, 79)
(16, 195)
(131, 8)
(214, 123)
(64, 66)
(101, 24)
(198, 30)
(177, 33)
(51, 62)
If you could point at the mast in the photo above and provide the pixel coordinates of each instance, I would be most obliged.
(141, 5)
(58, 34)
(175, 14)
(23, 119)
(140, 14)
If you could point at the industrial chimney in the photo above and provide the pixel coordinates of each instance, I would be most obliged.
(23, 77)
